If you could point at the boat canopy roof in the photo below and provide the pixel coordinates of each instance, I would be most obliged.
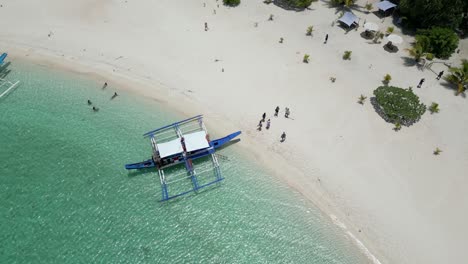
(193, 141)
(170, 148)
(196, 141)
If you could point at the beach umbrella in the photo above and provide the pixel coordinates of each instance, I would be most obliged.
(395, 39)
(371, 26)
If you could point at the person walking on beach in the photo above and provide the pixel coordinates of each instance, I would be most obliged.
(326, 39)
(263, 117)
(105, 85)
(268, 124)
(114, 96)
(206, 26)
(283, 137)
(421, 82)
(276, 111)
(440, 75)
(259, 126)
(286, 113)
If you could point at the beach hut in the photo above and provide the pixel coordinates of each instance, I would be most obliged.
(385, 6)
(348, 19)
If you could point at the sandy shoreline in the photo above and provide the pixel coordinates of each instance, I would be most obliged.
(409, 205)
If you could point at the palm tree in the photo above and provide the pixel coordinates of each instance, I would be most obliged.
(437, 151)
(416, 52)
(387, 78)
(306, 58)
(459, 76)
(309, 31)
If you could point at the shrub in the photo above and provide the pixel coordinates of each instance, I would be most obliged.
(231, 2)
(309, 31)
(437, 151)
(397, 126)
(434, 108)
(347, 55)
(306, 58)
(299, 4)
(361, 99)
(429, 56)
(368, 7)
(398, 105)
(387, 78)
(441, 42)
(342, 2)
(390, 30)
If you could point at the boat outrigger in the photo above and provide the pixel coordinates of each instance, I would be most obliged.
(182, 143)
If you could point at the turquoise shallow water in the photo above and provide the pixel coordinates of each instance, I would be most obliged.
(66, 197)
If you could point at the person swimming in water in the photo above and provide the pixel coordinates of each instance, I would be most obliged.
(89, 102)
(95, 109)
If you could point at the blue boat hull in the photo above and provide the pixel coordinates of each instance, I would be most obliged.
(214, 144)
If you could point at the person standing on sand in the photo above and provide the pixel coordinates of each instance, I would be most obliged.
(206, 26)
(440, 75)
(283, 137)
(259, 126)
(105, 85)
(421, 82)
(326, 39)
(268, 124)
(263, 117)
(286, 112)
(277, 111)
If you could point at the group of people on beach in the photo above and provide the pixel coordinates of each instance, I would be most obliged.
(96, 109)
(437, 78)
(268, 122)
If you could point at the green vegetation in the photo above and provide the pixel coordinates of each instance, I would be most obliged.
(390, 30)
(361, 99)
(387, 78)
(306, 58)
(299, 4)
(437, 151)
(347, 55)
(434, 108)
(441, 42)
(378, 36)
(368, 7)
(398, 105)
(430, 13)
(231, 2)
(416, 52)
(309, 31)
(397, 126)
(429, 56)
(347, 3)
(459, 76)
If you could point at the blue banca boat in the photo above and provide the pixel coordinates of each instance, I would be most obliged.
(182, 143)
(3, 57)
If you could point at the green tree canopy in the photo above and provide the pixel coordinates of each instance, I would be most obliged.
(398, 105)
(429, 13)
(441, 42)
(231, 2)
(300, 4)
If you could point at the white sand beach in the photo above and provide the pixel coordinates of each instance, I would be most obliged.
(385, 188)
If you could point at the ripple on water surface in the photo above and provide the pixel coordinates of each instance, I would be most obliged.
(67, 198)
